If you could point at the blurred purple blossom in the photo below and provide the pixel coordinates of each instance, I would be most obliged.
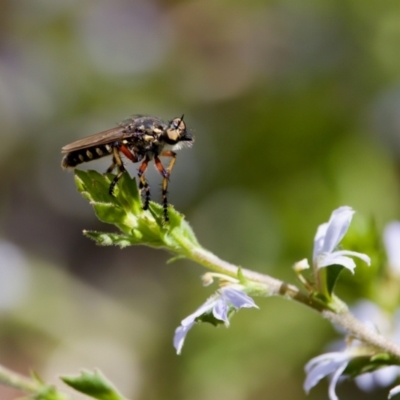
(391, 240)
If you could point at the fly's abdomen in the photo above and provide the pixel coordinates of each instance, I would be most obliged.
(74, 158)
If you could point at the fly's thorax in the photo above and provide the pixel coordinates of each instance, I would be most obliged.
(141, 125)
(154, 150)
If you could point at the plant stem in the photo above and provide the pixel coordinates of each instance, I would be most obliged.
(17, 381)
(277, 287)
(29, 386)
(273, 286)
(359, 330)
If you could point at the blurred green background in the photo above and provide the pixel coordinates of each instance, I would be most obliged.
(294, 106)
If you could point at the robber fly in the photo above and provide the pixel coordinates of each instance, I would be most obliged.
(139, 138)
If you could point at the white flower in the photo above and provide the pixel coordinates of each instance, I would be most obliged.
(328, 237)
(336, 362)
(394, 391)
(226, 299)
(391, 240)
(320, 367)
(374, 317)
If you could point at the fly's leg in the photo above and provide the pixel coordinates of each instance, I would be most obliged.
(117, 161)
(143, 185)
(112, 166)
(165, 174)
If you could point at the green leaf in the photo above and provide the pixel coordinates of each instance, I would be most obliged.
(128, 194)
(109, 239)
(93, 384)
(124, 209)
(94, 186)
(209, 317)
(361, 365)
(332, 275)
(108, 212)
(176, 258)
(240, 276)
(48, 393)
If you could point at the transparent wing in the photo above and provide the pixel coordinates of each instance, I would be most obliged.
(98, 139)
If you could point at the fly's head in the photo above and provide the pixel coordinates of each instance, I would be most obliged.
(176, 134)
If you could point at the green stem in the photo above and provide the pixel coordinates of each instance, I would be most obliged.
(273, 286)
(17, 381)
(27, 385)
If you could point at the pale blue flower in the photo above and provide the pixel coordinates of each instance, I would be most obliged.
(335, 363)
(326, 364)
(226, 299)
(374, 317)
(328, 237)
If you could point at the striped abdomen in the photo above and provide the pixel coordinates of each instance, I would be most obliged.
(74, 158)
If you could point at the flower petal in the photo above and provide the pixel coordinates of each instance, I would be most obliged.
(180, 335)
(365, 382)
(323, 365)
(350, 253)
(386, 376)
(394, 391)
(334, 259)
(207, 306)
(220, 311)
(237, 298)
(382, 377)
(391, 240)
(337, 228)
(334, 380)
(319, 239)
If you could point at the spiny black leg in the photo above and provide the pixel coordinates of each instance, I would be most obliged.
(117, 177)
(164, 193)
(165, 174)
(143, 185)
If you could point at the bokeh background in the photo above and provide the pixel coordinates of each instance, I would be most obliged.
(295, 109)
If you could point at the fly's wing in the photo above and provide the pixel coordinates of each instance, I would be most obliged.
(98, 139)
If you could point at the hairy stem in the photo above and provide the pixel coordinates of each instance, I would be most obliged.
(359, 330)
(277, 287)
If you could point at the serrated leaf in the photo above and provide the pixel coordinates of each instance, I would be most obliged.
(94, 185)
(128, 194)
(93, 384)
(124, 209)
(108, 212)
(49, 393)
(108, 239)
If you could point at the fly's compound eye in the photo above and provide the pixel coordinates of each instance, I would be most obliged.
(176, 130)
(179, 124)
